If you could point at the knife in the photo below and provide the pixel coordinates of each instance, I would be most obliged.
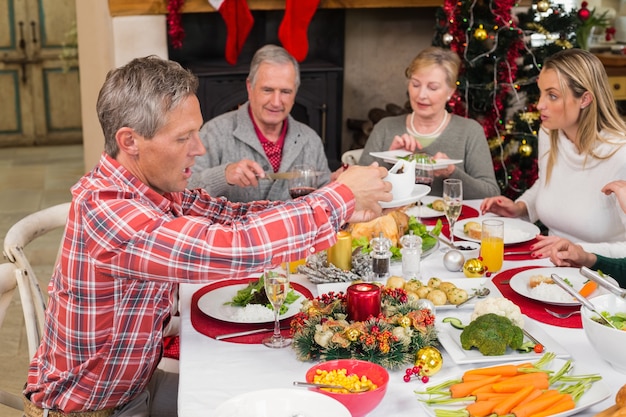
(247, 332)
(286, 175)
(561, 282)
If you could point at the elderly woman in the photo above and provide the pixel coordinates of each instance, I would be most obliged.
(432, 77)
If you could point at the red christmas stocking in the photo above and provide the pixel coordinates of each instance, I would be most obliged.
(239, 22)
(293, 29)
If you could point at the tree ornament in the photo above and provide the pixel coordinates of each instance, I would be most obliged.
(429, 359)
(474, 268)
(480, 33)
(352, 334)
(584, 14)
(447, 38)
(453, 260)
(525, 149)
(543, 6)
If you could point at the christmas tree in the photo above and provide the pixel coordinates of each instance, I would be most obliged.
(501, 57)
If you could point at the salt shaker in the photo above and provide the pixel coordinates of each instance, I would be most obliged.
(381, 257)
(411, 254)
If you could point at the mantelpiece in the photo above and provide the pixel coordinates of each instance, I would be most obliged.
(147, 7)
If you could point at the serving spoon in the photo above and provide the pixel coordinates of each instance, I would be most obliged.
(480, 293)
(314, 385)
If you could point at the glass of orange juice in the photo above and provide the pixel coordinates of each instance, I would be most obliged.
(492, 244)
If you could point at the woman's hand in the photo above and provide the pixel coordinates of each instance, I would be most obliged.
(619, 189)
(443, 172)
(503, 206)
(562, 252)
(406, 142)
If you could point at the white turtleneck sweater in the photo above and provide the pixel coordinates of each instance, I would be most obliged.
(572, 205)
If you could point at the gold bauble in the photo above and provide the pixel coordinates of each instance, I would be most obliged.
(474, 268)
(429, 359)
(404, 321)
(352, 334)
(480, 33)
(525, 149)
(543, 6)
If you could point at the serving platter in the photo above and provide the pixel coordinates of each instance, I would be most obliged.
(397, 154)
(450, 339)
(213, 305)
(598, 392)
(515, 230)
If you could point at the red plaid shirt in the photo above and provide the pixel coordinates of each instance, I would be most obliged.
(125, 248)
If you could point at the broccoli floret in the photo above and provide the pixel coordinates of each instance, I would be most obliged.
(491, 334)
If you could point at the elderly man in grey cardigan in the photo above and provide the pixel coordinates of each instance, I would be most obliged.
(260, 136)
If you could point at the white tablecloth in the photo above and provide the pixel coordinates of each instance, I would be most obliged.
(213, 371)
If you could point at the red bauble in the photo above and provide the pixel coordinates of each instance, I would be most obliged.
(583, 14)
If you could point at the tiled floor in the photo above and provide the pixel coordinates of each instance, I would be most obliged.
(30, 179)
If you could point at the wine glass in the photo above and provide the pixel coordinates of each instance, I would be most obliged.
(303, 182)
(452, 201)
(276, 284)
(423, 175)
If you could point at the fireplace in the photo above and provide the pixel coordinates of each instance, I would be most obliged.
(222, 86)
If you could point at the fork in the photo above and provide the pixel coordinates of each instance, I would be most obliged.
(562, 315)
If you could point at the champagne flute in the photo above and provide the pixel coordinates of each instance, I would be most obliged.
(304, 182)
(452, 201)
(423, 175)
(276, 284)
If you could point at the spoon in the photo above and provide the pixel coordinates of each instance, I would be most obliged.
(480, 293)
(314, 385)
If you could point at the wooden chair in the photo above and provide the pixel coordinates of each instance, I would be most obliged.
(351, 157)
(20, 235)
(8, 283)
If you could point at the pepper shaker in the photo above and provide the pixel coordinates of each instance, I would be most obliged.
(381, 257)
(411, 255)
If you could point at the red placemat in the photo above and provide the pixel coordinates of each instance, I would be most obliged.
(519, 247)
(532, 308)
(466, 213)
(213, 327)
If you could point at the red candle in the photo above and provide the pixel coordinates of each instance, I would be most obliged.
(363, 301)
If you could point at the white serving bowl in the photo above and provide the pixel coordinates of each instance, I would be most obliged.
(607, 341)
(281, 402)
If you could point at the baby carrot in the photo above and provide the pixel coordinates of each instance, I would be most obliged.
(534, 394)
(464, 389)
(482, 396)
(476, 377)
(564, 404)
(537, 405)
(504, 370)
(481, 408)
(588, 288)
(515, 383)
(506, 405)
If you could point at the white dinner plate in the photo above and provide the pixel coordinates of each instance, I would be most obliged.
(520, 283)
(419, 191)
(598, 392)
(397, 154)
(281, 402)
(515, 230)
(468, 284)
(212, 304)
(450, 339)
(425, 212)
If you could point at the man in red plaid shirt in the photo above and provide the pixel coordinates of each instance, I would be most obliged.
(135, 231)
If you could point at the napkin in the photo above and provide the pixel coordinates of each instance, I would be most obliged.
(213, 327)
(533, 308)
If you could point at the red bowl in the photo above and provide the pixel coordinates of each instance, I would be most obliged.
(358, 403)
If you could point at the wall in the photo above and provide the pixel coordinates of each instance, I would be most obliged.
(379, 45)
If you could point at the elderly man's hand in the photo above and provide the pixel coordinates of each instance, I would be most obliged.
(368, 188)
(244, 173)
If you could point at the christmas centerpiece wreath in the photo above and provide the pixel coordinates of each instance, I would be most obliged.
(321, 330)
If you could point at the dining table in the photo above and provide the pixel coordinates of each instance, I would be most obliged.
(213, 371)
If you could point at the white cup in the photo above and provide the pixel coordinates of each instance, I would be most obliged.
(402, 179)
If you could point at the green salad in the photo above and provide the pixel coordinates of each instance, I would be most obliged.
(618, 319)
(419, 229)
(254, 293)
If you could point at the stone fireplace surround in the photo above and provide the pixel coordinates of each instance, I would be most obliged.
(378, 45)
